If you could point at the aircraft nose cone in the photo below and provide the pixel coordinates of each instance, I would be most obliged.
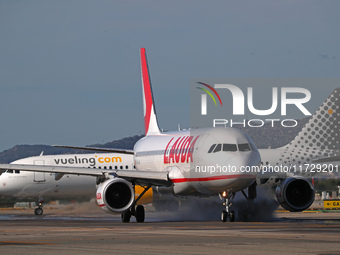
(245, 160)
(249, 163)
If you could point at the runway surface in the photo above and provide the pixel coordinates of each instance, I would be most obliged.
(73, 232)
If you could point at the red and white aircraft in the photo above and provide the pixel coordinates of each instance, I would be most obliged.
(315, 150)
(179, 162)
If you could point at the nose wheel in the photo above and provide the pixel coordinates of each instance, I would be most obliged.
(227, 214)
(39, 210)
(228, 197)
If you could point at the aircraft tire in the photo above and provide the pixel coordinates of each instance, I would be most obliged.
(38, 211)
(224, 216)
(140, 213)
(126, 216)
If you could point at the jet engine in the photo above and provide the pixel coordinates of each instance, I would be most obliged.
(295, 194)
(115, 195)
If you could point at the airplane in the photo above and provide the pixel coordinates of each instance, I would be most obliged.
(294, 154)
(168, 162)
(52, 186)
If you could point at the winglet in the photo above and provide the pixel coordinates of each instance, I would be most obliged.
(150, 120)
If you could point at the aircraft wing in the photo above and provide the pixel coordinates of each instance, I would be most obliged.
(140, 177)
(145, 177)
(123, 151)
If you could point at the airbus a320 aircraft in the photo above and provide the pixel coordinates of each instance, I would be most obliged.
(170, 160)
(317, 145)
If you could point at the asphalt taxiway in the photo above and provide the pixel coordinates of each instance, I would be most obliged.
(98, 233)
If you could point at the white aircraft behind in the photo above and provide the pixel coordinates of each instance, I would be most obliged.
(52, 186)
(315, 150)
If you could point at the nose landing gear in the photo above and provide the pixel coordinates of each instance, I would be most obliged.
(228, 197)
(227, 202)
(39, 210)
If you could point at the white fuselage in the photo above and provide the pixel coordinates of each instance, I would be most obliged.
(192, 168)
(24, 184)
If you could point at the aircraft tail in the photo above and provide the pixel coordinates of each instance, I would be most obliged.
(320, 137)
(150, 120)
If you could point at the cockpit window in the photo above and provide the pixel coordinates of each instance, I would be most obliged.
(211, 148)
(218, 148)
(244, 147)
(229, 147)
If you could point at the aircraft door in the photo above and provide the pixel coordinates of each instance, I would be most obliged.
(39, 176)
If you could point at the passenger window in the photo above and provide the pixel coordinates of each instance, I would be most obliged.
(211, 148)
(116, 167)
(229, 147)
(121, 167)
(127, 167)
(218, 148)
(244, 147)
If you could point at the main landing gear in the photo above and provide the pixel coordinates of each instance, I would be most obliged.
(39, 210)
(227, 198)
(137, 211)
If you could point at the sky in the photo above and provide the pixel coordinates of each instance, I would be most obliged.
(70, 69)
